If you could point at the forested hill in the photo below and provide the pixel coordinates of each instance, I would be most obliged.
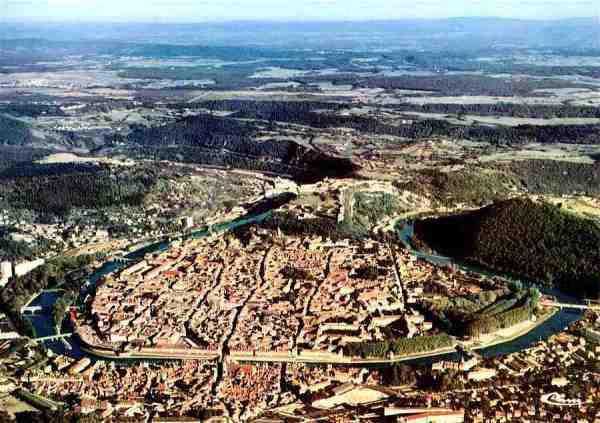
(536, 240)
(218, 141)
(14, 132)
(55, 189)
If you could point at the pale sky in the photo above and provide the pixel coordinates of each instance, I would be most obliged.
(223, 10)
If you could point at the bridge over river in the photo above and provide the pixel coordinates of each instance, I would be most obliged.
(56, 337)
(588, 306)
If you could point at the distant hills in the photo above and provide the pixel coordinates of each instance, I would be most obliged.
(444, 34)
(14, 132)
(202, 139)
(225, 142)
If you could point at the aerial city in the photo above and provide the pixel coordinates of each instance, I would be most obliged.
(322, 211)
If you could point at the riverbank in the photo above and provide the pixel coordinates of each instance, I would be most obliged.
(150, 353)
(521, 336)
(171, 354)
(309, 357)
(515, 332)
(331, 358)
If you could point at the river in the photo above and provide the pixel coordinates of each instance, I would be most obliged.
(555, 324)
(43, 323)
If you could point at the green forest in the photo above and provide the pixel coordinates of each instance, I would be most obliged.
(516, 309)
(13, 250)
(56, 189)
(370, 207)
(19, 290)
(326, 227)
(399, 346)
(536, 240)
(14, 132)
(471, 185)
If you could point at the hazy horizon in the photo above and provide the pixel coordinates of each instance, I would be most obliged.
(213, 11)
(284, 21)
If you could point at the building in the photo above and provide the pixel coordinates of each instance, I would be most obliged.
(80, 366)
(7, 330)
(481, 374)
(5, 272)
(353, 395)
(435, 417)
(187, 222)
(25, 267)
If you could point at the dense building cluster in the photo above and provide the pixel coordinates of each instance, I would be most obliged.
(554, 380)
(135, 390)
(273, 299)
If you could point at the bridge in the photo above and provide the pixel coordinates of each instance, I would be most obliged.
(588, 306)
(123, 260)
(53, 290)
(29, 308)
(56, 337)
(32, 309)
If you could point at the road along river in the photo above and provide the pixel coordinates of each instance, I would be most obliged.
(71, 347)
